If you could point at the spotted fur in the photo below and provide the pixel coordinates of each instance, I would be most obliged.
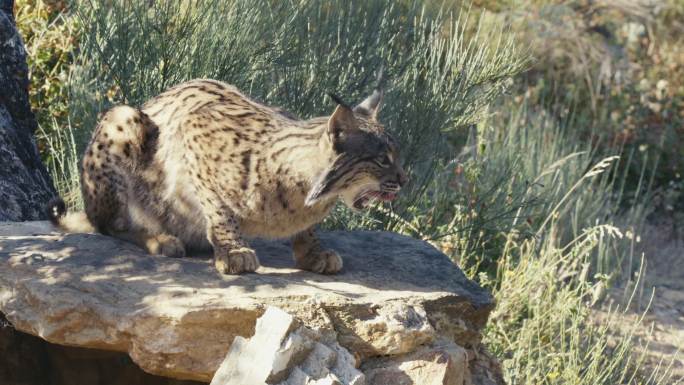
(203, 165)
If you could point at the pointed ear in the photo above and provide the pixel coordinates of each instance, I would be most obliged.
(371, 105)
(341, 122)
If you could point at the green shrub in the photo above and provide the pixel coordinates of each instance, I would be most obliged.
(619, 66)
(50, 36)
(293, 54)
(542, 328)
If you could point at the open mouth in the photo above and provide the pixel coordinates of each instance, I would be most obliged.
(363, 200)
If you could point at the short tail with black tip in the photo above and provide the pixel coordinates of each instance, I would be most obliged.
(69, 222)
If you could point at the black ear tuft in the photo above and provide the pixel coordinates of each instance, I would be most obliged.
(338, 100)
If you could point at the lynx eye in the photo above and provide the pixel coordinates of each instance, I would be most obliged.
(384, 161)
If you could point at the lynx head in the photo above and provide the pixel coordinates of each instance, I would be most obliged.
(366, 158)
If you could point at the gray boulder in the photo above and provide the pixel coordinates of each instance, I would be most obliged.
(25, 186)
(398, 302)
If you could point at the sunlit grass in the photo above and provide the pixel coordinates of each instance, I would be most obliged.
(542, 327)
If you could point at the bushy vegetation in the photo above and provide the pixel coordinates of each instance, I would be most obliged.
(527, 154)
(50, 37)
(618, 66)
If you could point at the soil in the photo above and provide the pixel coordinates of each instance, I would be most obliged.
(659, 299)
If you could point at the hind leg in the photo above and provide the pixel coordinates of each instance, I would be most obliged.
(120, 150)
(163, 244)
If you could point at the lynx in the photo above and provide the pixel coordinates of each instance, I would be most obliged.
(201, 165)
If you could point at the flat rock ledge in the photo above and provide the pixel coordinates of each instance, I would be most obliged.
(400, 312)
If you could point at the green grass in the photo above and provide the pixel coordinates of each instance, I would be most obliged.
(62, 161)
(542, 328)
(291, 55)
(508, 185)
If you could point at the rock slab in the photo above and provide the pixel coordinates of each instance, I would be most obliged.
(29, 360)
(441, 363)
(285, 352)
(178, 317)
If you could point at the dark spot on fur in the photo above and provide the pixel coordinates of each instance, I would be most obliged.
(281, 195)
(246, 161)
(119, 128)
(149, 145)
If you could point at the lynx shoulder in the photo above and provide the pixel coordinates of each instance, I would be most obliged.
(202, 165)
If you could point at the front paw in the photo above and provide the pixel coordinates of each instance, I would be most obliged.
(321, 262)
(236, 261)
(166, 245)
